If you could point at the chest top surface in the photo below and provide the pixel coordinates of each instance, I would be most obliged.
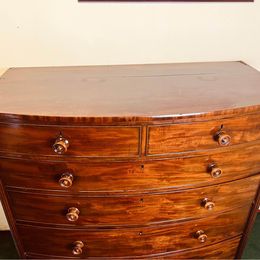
(156, 90)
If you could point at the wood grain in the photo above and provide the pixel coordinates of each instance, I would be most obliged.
(134, 241)
(223, 250)
(175, 138)
(131, 168)
(129, 92)
(133, 177)
(11, 220)
(138, 210)
(84, 141)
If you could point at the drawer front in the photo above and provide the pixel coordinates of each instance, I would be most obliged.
(138, 210)
(223, 250)
(82, 141)
(167, 139)
(133, 241)
(122, 177)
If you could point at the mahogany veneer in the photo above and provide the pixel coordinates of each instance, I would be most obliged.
(137, 161)
(134, 241)
(162, 207)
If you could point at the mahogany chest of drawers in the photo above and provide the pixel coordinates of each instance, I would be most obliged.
(138, 161)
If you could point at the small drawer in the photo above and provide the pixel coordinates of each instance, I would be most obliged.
(177, 173)
(130, 242)
(110, 141)
(175, 138)
(82, 211)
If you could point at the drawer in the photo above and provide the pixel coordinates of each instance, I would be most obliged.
(133, 177)
(223, 250)
(134, 241)
(175, 138)
(110, 141)
(137, 210)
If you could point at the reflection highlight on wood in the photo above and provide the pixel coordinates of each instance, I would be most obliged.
(137, 162)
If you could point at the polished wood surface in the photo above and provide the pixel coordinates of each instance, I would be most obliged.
(138, 210)
(222, 250)
(201, 136)
(135, 241)
(129, 91)
(137, 161)
(143, 176)
(83, 141)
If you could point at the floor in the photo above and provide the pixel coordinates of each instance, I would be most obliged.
(252, 251)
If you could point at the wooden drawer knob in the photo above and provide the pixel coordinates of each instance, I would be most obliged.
(61, 145)
(66, 180)
(77, 249)
(201, 236)
(222, 138)
(208, 204)
(214, 170)
(73, 214)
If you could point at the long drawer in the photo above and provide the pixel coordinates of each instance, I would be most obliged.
(175, 173)
(223, 250)
(110, 141)
(134, 241)
(174, 138)
(137, 210)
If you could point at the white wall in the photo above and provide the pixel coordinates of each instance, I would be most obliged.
(65, 32)
(3, 222)
(61, 32)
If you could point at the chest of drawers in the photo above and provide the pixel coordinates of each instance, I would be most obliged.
(130, 162)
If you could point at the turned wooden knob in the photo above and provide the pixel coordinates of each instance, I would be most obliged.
(61, 145)
(77, 249)
(214, 170)
(222, 138)
(66, 180)
(201, 236)
(73, 214)
(208, 204)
